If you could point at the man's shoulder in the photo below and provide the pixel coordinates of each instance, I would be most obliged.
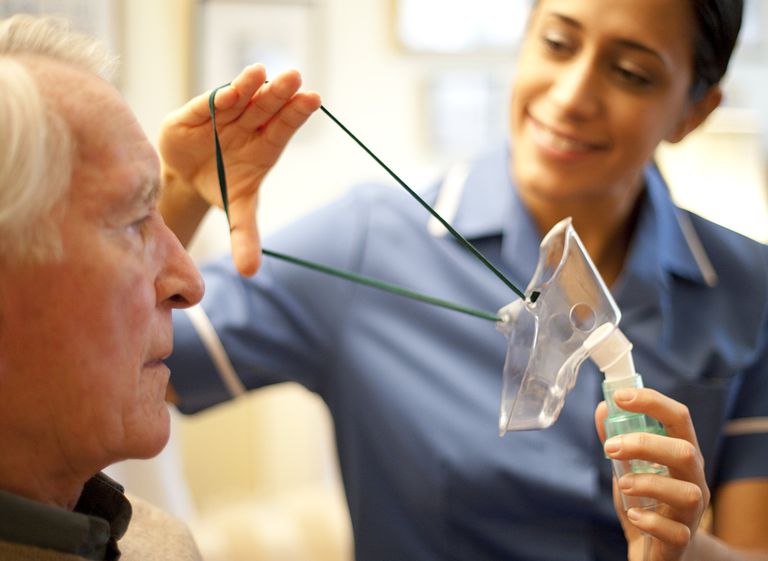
(155, 534)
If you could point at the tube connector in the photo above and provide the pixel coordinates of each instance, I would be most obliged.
(610, 349)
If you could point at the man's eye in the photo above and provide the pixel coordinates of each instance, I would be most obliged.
(140, 226)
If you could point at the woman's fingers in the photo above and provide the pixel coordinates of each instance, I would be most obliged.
(681, 496)
(268, 101)
(601, 413)
(248, 83)
(681, 457)
(197, 111)
(287, 121)
(672, 533)
(679, 450)
(244, 235)
(672, 414)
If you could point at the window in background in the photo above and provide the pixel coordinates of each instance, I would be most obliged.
(468, 49)
(466, 111)
(751, 38)
(460, 26)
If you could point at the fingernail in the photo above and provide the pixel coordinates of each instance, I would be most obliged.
(633, 514)
(613, 445)
(626, 482)
(624, 395)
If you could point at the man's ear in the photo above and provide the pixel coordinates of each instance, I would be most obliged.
(696, 113)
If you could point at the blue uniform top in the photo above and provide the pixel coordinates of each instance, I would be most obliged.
(414, 390)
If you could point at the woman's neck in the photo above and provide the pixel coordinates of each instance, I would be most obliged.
(604, 223)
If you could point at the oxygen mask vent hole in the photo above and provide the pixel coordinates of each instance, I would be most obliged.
(560, 328)
(583, 317)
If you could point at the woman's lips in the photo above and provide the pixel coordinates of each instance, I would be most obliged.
(560, 143)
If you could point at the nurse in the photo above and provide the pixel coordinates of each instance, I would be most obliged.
(414, 390)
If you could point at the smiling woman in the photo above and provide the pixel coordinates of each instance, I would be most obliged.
(598, 87)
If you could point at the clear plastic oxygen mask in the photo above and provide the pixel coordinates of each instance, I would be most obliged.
(566, 301)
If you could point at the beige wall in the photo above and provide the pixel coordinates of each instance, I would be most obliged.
(155, 39)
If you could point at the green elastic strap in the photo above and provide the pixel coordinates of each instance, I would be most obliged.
(367, 281)
(219, 160)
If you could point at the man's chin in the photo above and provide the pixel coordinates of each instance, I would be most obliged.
(152, 436)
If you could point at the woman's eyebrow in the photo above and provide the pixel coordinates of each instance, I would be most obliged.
(566, 19)
(635, 45)
(626, 43)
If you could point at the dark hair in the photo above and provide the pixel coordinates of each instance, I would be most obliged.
(717, 27)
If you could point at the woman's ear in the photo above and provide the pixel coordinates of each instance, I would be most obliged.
(696, 113)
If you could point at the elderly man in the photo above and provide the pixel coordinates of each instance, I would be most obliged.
(89, 275)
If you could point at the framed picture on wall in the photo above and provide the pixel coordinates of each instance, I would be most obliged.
(281, 34)
(460, 26)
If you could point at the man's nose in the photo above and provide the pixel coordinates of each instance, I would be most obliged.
(179, 282)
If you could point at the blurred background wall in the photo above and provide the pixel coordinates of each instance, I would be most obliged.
(423, 83)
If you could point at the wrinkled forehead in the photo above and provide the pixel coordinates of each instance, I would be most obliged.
(111, 155)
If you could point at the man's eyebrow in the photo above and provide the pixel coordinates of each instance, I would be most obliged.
(148, 194)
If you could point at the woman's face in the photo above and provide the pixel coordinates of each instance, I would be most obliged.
(599, 84)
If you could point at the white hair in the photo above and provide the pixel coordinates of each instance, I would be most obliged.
(36, 143)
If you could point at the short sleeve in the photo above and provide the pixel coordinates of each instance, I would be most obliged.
(745, 439)
(745, 436)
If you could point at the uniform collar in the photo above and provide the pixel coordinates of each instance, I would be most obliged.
(485, 196)
(664, 244)
(678, 246)
(91, 531)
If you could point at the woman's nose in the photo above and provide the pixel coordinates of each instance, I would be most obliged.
(576, 88)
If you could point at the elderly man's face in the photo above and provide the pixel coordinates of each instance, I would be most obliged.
(82, 340)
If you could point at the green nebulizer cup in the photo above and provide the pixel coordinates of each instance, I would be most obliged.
(612, 354)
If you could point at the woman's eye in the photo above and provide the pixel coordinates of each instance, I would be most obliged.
(632, 77)
(556, 43)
